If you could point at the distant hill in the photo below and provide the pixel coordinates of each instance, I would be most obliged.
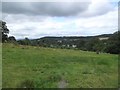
(103, 43)
(74, 38)
(68, 41)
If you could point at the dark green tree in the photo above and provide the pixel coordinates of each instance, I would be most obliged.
(92, 44)
(11, 39)
(4, 31)
(27, 41)
(113, 44)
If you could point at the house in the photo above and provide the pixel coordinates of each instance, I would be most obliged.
(59, 41)
(103, 38)
(74, 46)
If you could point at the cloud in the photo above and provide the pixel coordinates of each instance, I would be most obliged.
(97, 8)
(45, 8)
(35, 20)
(52, 26)
(59, 9)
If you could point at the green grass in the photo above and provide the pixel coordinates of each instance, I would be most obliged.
(28, 66)
(0, 65)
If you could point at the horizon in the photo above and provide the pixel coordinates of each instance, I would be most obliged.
(63, 36)
(40, 19)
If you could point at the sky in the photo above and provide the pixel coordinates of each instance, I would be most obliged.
(40, 19)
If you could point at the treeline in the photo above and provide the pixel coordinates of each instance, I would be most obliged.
(108, 43)
(103, 43)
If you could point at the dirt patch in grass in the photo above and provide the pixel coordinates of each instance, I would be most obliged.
(62, 83)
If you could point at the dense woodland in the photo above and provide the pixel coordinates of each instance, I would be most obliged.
(107, 43)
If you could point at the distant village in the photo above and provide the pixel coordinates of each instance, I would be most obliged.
(106, 43)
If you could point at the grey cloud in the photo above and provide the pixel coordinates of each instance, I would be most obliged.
(45, 8)
(21, 18)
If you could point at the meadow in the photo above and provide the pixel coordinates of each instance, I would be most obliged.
(39, 67)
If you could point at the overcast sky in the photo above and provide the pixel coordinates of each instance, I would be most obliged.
(38, 19)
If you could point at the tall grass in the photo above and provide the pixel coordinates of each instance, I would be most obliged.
(45, 67)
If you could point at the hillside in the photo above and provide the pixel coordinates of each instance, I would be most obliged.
(74, 37)
(30, 66)
(108, 43)
(68, 39)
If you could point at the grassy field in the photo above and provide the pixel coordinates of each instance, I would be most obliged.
(28, 66)
(0, 65)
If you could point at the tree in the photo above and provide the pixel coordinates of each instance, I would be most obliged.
(92, 44)
(4, 31)
(81, 44)
(25, 41)
(114, 43)
(12, 39)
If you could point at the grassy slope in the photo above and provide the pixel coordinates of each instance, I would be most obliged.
(46, 67)
(0, 65)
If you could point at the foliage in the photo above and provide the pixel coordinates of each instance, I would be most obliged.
(114, 43)
(4, 30)
(91, 43)
(26, 41)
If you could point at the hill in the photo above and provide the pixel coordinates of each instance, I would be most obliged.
(108, 43)
(71, 39)
(39, 67)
